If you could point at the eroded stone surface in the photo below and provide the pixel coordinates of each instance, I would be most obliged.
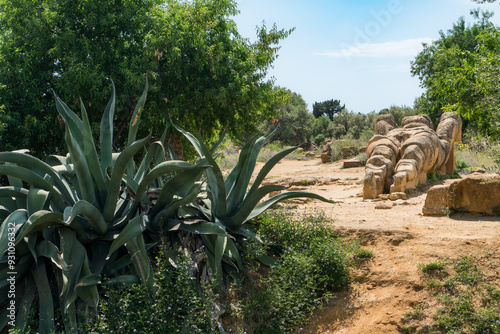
(475, 193)
(400, 158)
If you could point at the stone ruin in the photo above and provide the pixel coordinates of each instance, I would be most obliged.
(400, 158)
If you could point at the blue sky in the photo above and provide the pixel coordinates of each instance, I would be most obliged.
(357, 51)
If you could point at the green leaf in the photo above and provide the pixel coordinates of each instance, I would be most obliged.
(134, 228)
(49, 250)
(140, 259)
(267, 168)
(46, 308)
(91, 213)
(134, 121)
(160, 170)
(74, 254)
(197, 227)
(90, 153)
(35, 164)
(11, 225)
(73, 122)
(37, 221)
(281, 197)
(85, 181)
(34, 180)
(117, 175)
(106, 142)
(181, 185)
(25, 305)
(37, 200)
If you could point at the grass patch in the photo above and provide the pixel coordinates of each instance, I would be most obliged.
(313, 264)
(467, 297)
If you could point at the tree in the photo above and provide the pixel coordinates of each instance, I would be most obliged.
(294, 122)
(328, 108)
(455, 69)
(202, 73)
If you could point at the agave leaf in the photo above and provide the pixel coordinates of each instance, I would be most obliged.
(160, 170)
(235, 184)
(37, 221)
(216, 145)
(46, 308)
(91, 213)
(115, 266)
(72, 121)
(154, 149)
(162, 217)
(198, 227)
(74, 254)
(9, 192)
(91, 156)
(220, 248)
(117, 175)
(140, 259)
(89, 280)
(106, 137)
(11, 225)
(85, 181)
(281, 197)
(23, 313)
(214, 174)
(233, 254)
(56, 160)
(33, 163)
(134, 228)
(239, 217)
(86, 288)
(37, 200)
(49, 250)
(181, 185)
(267, 168)
(237, 170)
(34, 180)
(134, 121)
(99, 250)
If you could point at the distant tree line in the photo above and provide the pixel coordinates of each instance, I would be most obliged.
(328, 120)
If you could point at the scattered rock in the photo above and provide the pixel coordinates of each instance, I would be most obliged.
(396, 240)
(383, 206)
(397, 195)
(384, 196)
(353, 163)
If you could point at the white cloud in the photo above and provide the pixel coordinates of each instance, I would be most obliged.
(408, 47)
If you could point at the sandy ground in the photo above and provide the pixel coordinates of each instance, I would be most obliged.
(399, 235)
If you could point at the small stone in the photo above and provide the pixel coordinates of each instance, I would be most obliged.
(383, 206)
(384, 196)
(396, 240)
(397, 195)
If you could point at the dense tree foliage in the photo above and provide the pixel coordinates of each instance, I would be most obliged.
(460, 73)
(328, 108)
(294, 124)
(200, 70)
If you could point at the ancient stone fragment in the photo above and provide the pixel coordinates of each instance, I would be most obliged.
(400, 158)
(475, 193)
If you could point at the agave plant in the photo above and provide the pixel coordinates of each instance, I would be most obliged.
(78, 219)
(231, 202)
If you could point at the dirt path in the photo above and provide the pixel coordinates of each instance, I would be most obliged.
(400, 237)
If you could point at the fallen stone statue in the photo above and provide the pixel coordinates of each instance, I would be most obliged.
(400, 158)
